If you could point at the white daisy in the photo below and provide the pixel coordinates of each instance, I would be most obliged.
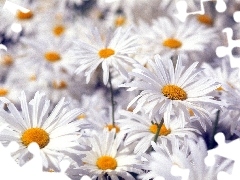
(187, 156)
(142, 130)
(109, 158)
(228, 77)
(168, 90)
(26, 14)
(164, 155)
(173, 37)
(112, 49)
(49, 129)
(96, 121)
(49, 53)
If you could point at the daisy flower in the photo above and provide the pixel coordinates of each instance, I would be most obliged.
(26, 14)
(228, 78)
(164, 155)
(49, 53)
(109, 158)
(96, 121)
(37, 123)
(173, 37)
(189, 155)
(142, 130)
(167, 90)
(110, 50)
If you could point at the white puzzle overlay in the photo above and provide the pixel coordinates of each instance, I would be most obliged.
(34, 169)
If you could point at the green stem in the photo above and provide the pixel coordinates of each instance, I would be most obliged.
(112, 98)
(214, 129)
(158, 130)
(159, 126)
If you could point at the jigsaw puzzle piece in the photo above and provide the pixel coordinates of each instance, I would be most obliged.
(227, 150)
(185, 8)
(223, 176)
(222, 51)
(177, 171)
(85, 177)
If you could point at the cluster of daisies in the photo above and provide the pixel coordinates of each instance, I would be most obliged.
(122, 89)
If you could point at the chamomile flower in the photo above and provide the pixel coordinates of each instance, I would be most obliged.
(164, 155)
(173, 37)
(189, 155)
(97, 121)
(172, 91)
(142, 130)
(110, 49)
(49, 53)
(109, 158)
(37, 123)
(228, 77)
(26, 14)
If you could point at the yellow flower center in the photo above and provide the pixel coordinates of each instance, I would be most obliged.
(220, 89)
(7, 60)
(38, 135)
(58, 30)
(106, 162)
(105, 53)
(3, 91)
(163, 131)
(59, 85)
(174, 92)
(24, 15)
(33, 77)
(52, 56)
(205, 19)
(110, 127)
(81, 116)
(191, 113)
(172, 43)
(119, 21)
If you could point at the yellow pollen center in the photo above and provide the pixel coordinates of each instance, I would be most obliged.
(106, 162)
(130, 109)
(37, 135)
(33, 77)
(110, 127)
(59, 85)
(52, 56)
(220, 88)
(174, 92)
(105, 53)
(81, 116)
(205, 19)
(24, 15)
(7, 60)
(3, 91)
(58, 30)
(191, 113)
(163, 131)
(172, 43)
(119, 21)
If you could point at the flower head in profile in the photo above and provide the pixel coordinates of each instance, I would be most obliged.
(37, 123)
(109, 158)
(170, 90)
(142, 130)
(108, 50)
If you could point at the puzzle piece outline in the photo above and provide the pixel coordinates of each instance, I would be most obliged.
(182, 8)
